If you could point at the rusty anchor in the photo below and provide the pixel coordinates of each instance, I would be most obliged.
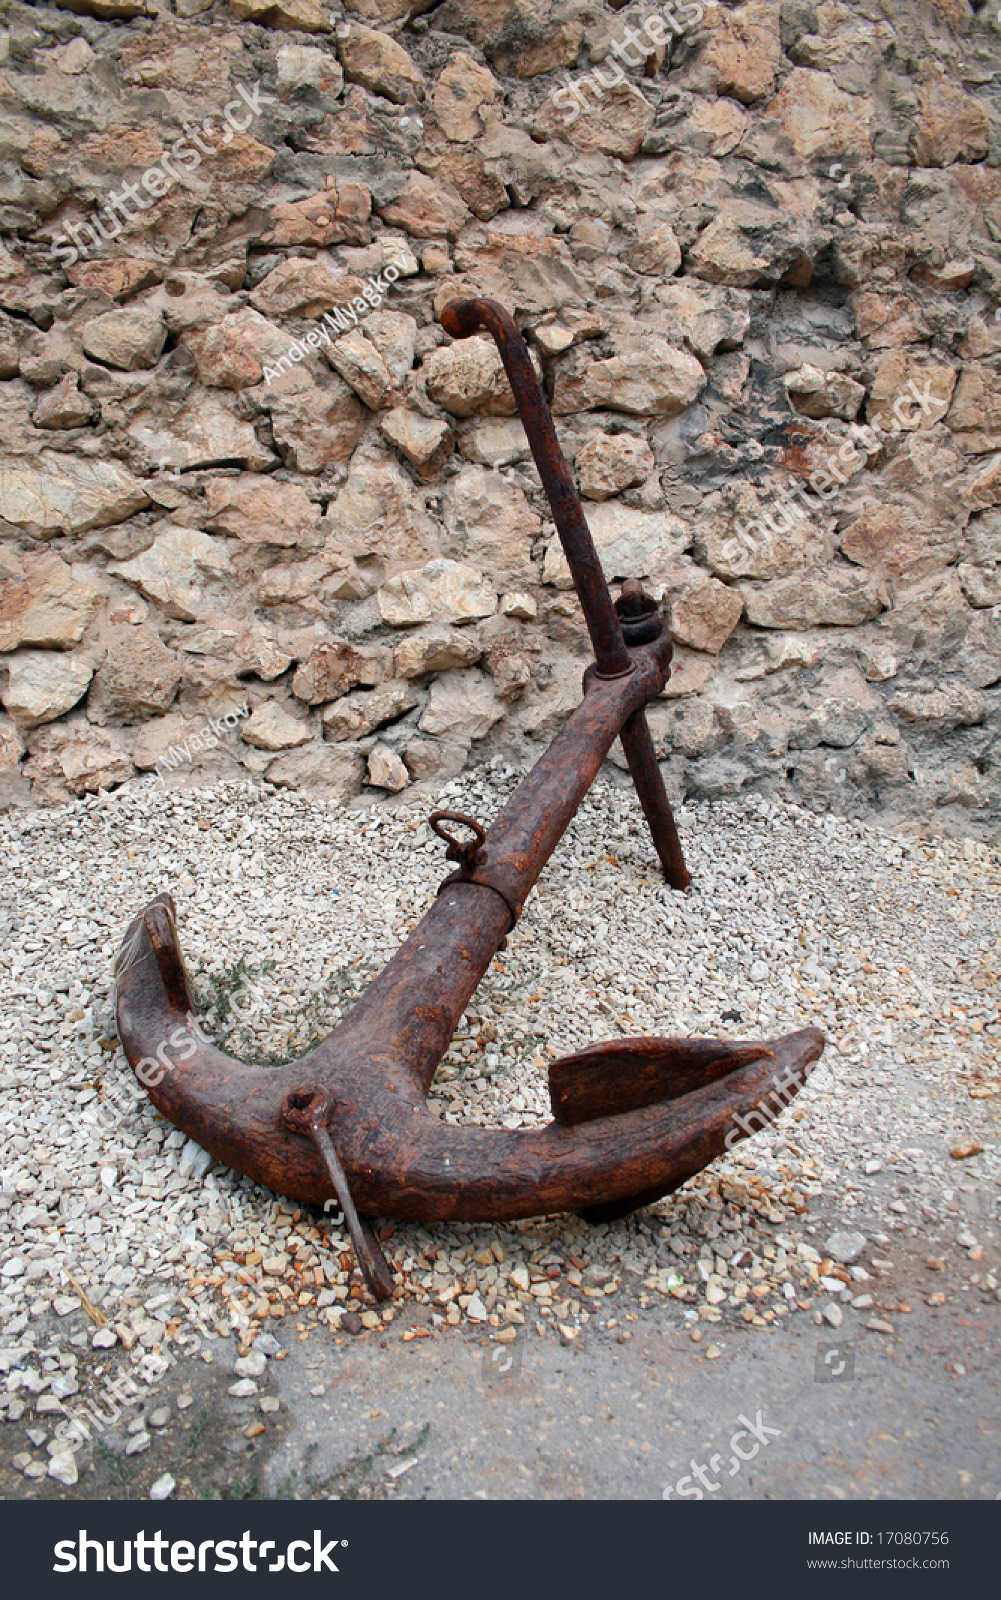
(632, 1118)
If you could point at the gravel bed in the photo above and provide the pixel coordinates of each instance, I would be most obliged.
(114, 1228)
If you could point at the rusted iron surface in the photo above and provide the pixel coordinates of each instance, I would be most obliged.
(604, 620)
(632, 1119)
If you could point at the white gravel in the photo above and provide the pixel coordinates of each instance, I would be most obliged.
(889, 943)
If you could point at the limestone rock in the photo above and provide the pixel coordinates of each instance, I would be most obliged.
(886, 320)
(690, 674)
(910, 394)
(838, 597)
(534, 40)
(48, 607)
(11, 745)
(494, 443)
(981, 585)
(306, 64)
(975, 415)
(386, 770)
(468, 378)
(461, 704)
(656, 250)
(377, 519)
(468, 172)
(175, 568)
(489, 521)
(425, 441)
(137, 679)
(616, 128)
(326, 771)
(709, 316)
(64, 494)
(338, 214)
(9, 358)
(71, 759)
(520, 606)
(436, 650)
(952, 125)
(901, 542)
(65, 407)
(462, 89)
(630, 544)
(980, 656)
(609, 463)
(435, 758)
(259, 652)
(42, 686)
(304, 288)
(526, 269)
(939, 710)
(753, 538)
(233, 352)
(823, 394)
(299, 16)
(271, 727)
(427, 209)
(130, 339)
(118, 279)
(361, 712)
(693, 730)
(543, 713)
(318, 428)
(749, 245)
(187, 746)
(378, 63)
(201, 432)
(441, 591)
(705, 615)
(259, 510)
(511, 654)
(744, 50)
(319, 578)
(646, 376)
(375, 359)
(336, 666)
(820, 119)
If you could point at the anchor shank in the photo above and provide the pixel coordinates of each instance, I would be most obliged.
(461, 318)
(418, 998)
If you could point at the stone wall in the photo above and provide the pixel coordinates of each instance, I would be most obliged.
(754, 251)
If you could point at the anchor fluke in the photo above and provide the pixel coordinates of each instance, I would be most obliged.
(620, 1075)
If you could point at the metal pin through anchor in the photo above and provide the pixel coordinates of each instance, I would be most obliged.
(307, 1111)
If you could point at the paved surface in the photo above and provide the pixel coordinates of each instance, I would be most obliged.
(603, 1419)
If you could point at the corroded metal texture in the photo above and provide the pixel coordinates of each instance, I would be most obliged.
(632, 1119)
